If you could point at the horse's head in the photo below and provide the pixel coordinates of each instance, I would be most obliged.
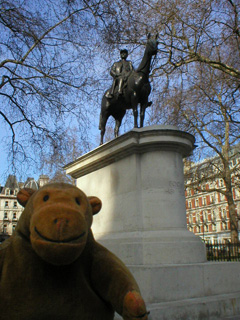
(152, 44)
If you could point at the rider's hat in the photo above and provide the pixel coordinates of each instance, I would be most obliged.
(123, 50)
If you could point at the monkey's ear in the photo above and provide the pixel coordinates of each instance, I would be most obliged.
(96, 204)
(24, 195)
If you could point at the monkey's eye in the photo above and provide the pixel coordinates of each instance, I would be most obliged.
(77, 201)
(45, 198)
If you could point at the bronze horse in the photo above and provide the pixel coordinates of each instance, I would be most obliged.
(136, 90)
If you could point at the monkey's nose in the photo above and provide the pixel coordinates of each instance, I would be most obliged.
(61, 223)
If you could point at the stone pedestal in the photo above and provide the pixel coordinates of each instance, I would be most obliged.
(139, 178)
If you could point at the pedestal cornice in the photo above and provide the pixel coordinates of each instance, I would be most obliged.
(136, 141)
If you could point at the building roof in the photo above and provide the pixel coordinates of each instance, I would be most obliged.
(11, 182)
(31, 183)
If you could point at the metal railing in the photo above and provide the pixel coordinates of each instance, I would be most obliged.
(223, 251)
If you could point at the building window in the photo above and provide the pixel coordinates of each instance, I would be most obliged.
(205, 216)
(213, 217)
(196, 203)
(224, 226)
(6, 204)
(212, 198)
(190, 219)
(5, 216)
(15, 204)
(222, 197)
(224, 214)
(198, 218)
(14, 216)
(204, 201)
(13, 227)
(221, 184)
(4, 228)
(189, 204)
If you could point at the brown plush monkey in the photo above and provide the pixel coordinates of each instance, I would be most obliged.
(52, 268)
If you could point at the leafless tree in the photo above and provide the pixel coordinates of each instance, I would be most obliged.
(207, 105)
(47, 74)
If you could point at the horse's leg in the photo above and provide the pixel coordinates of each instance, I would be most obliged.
(134, 103)
(116, 129)
(102, 134)
(135, 115)
(117, 126)
(102, 126)
(142, 114)
(143, 106)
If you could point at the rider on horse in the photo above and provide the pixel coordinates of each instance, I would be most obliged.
(120, 72)
(135, 85)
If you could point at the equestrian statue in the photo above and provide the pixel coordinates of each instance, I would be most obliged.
(130, 88)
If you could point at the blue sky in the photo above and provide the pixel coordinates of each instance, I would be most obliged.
(3, 163)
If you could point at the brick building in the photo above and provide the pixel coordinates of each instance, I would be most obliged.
(207, 209)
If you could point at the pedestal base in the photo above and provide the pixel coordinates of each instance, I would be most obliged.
(155, 247)
(220, 307)
(204, 291)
